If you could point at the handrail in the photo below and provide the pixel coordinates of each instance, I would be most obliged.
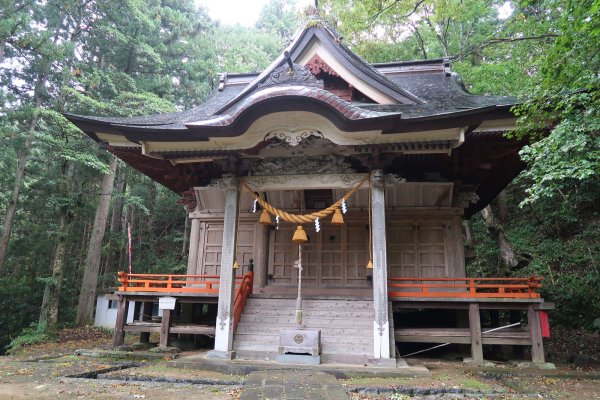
(171, 283)
(241, 295)
(513, 288)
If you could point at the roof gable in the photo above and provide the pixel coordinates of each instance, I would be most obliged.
(319, 42)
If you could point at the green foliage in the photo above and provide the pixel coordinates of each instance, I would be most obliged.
(33, 334)
(111, 58)
(20, 298)
(243, 49)
(279, 17)
(567, 158)
(564, 101)
(563, 240)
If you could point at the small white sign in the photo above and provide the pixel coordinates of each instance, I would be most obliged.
(166, 303)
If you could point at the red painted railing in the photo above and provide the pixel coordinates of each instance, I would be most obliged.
(169, 283)
(512, 288)
(188, 284)
(241, 295)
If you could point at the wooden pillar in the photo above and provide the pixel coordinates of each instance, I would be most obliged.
(535, 332)
(475, 329)
(192, 268)
(381, 326)
(165, 328)
(119, 337)
(145, 310)
(224, 323)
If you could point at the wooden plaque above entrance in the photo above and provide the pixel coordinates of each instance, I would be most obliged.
(289, 182)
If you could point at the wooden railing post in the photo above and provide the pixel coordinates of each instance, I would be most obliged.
(122, 277)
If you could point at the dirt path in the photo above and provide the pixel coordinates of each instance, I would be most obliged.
(27, 376)
(47, 380)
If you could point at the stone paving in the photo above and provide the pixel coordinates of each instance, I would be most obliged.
(292, 385)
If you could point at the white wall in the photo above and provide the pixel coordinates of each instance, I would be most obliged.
(107, 317)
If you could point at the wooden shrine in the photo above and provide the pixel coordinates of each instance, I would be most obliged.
(269, 153)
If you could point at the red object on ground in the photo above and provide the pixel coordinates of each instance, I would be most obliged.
(545, 324)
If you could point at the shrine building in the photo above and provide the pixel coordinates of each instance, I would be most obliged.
(326, 198)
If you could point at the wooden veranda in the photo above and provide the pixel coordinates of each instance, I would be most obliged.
(148, 288)
(470, 294)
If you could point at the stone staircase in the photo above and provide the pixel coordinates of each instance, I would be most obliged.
(346, 327)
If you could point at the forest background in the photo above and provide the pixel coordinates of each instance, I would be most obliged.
(64, 203)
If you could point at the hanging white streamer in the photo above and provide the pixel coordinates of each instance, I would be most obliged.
(317, 225)
(344, 209)
(254, 205)
(277, 222)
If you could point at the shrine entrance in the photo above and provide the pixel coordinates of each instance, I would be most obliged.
(336, 257)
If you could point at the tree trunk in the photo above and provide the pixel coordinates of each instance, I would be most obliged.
(468, 233)
(510, 259)
(124, 239)
(50, 304)
(11, 209)
(40, 87)
(2, 47)
(186, 235)
(502, 207)
(420, 40)
(115, 223)
(147, 221)
(87, 295)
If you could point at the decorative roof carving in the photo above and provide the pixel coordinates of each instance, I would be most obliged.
(188, 200)
(329, 164)
(226, 182)
(377, 177)
(316, 65)
(293, 137)
(298, 75)
(393, 179)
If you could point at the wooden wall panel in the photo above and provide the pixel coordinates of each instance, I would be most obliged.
(357, 253)
(456, 248)
(210, 242)
(335, 257)
(426, 247)
(211, 255)
(282, 253)
(431, 242)
(427, 244)
(331, 256)
(402, 250)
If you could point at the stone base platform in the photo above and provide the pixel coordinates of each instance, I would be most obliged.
(340, 371)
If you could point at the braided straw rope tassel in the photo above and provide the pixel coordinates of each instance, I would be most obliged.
(304, 218)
